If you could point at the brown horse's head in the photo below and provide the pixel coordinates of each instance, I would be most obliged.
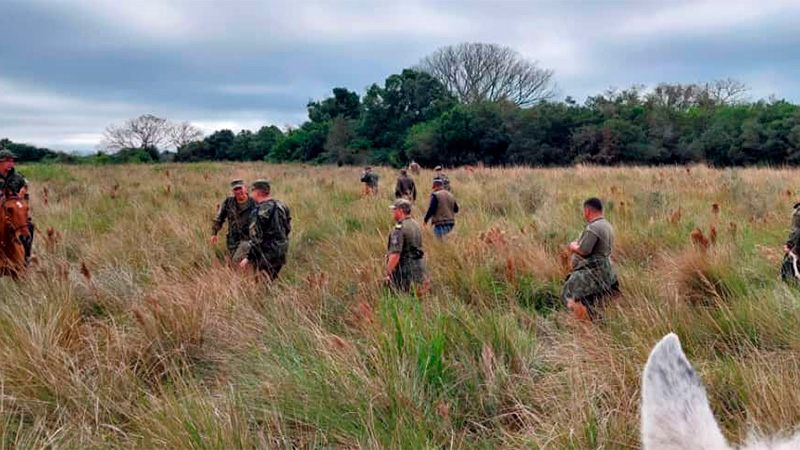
(15, 214)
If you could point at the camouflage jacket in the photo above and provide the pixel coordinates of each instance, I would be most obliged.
(238, 217)
(13, 180)
(270, 226)
(370, 179)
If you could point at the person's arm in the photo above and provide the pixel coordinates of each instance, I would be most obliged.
(391, 264)
(222, 215)
(395, 249)
(431, 208)
(414, 190)
(585, 245)
(398, 189)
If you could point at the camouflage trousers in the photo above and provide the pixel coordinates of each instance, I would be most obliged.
(590, 279)
(407, 274)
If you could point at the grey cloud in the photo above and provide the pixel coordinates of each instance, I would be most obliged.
(242, 64)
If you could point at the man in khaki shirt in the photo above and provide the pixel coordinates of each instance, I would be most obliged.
(593, 276)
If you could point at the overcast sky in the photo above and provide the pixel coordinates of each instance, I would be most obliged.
(69, 68)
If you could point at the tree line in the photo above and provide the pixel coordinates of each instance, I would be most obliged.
(486, 104)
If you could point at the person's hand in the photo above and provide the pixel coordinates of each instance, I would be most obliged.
(214, 240)
(570, 304)
(786, 248)
(387, 279)
(244, 263)
(23, 191)
(573, 246)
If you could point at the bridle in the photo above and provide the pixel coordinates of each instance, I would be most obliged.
(17, 199)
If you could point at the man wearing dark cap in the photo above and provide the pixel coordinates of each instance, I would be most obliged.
(789, 268)
(15, 184)
(442, 210)
(440, 175)
(236, 209)
(370, 180)
(270, 226)
(593, 278)
(405, 188)
(405, 269)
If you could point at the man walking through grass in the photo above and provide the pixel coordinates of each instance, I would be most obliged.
(440, 175)
(236, 210)
(270, 226)
(442, 210)
(405, 269)
(370, 180)
(17, 185)
(593, 277)
(405, 188)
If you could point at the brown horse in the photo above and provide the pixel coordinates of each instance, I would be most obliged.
(13, 226)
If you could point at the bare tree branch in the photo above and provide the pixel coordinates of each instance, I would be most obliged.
(184, 133)
(149, 132)
(489, 72)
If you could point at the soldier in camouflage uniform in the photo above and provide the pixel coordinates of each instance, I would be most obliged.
(370, 180)
(593, 278)
(405, 268)
(789, 268)
(405, 187)
(270, 226)
(16, 184)
(235, 209)
(440, 175)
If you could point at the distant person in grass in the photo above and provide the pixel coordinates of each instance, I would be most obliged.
(370, 180)
(593, 278)
(789, 268)
(18, 185)
(440, 175)
(405, 268)
(270, 226)
(405, 187)
(236, 210)
(441, 210)
(414, 168)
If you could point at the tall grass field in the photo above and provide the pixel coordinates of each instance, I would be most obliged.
(131, 331)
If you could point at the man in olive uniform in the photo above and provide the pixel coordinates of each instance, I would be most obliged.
(270, 226)
(405, 268)
(236, 209)
(370, 180)
(789, 268)
(593, 277)
(440, 175)
(442, 210)
(16, 184)
(405, 188)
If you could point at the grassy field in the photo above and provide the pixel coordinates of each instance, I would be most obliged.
(132, 332)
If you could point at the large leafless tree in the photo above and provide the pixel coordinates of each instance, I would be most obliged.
(489, 72)
(183, 133)
(149, 132)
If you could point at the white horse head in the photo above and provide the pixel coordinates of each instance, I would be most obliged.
(675, 411)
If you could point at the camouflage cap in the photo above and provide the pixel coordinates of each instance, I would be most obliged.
(7, 154)
(237, 183)
(402, 204)
(261, 185)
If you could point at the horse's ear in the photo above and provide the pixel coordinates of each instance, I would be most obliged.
(675, 411)
(7, 192)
